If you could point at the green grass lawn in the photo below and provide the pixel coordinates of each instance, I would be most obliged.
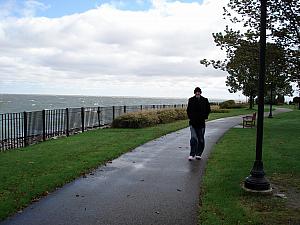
(223, 201)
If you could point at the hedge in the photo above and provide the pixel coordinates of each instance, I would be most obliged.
(153, 117)
(230, 104)
(149, 118)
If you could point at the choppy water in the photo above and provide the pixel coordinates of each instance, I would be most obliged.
(19, 103)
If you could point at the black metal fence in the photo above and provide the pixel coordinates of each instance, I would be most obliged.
(22, 129)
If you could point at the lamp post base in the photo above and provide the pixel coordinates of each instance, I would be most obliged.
(257, 181)
(269, 191)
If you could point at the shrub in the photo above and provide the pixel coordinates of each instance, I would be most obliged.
(230, 104)
(149, 118)
(227, 104)
(216, 109)
(181, 114)
(239, 106)
(153, 117)
(136, 120)
(296, 100)
(166, 115)
(220, 111)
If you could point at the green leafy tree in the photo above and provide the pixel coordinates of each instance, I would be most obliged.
(240, 63)
(278, 80)
(242, 47)
(242, 66)
(283, 24)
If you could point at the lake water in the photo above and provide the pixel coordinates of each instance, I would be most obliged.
(19, 103)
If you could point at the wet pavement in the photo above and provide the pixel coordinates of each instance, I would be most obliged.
(153, 184)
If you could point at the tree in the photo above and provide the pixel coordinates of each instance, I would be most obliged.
(241, 62)
(242, 48)
(277, 74)
(243, 71)
(283, 24)
(296, 100)
(242, 66)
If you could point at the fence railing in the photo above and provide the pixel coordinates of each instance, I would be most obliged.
(22, 129)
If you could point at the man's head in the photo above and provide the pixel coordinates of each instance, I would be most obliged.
(197, 92)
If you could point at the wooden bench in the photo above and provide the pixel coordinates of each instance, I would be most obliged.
(249, 121)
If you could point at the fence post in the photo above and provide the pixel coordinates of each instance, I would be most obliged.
(67, 122)
(124, 108)
(113, 111)
(141, 107)
(98, 114)
(25, 129)
(44, 124)
(153, 106)
(82, 119)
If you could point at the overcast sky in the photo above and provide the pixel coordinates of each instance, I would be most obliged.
(111, 48)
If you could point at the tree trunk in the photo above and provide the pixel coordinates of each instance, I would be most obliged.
(251, 102)
(271, 102)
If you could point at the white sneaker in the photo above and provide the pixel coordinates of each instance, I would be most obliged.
(191, 158)
(198, 157)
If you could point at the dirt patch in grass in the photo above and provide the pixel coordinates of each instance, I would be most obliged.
(287, 186)
(280, 207)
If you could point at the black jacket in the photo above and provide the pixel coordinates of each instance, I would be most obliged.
(198, 111)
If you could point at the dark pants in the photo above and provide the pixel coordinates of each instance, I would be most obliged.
(197, 141)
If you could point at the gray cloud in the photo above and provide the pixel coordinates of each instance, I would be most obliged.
(164, 42)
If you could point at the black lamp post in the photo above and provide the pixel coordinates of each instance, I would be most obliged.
(271, 102)
(257, 181)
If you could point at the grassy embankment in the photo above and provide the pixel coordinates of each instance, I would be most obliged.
(223, 199)
(27, 174)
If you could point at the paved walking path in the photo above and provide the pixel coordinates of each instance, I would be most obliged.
(153, 184)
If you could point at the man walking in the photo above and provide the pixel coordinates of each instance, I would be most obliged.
(198, 110)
